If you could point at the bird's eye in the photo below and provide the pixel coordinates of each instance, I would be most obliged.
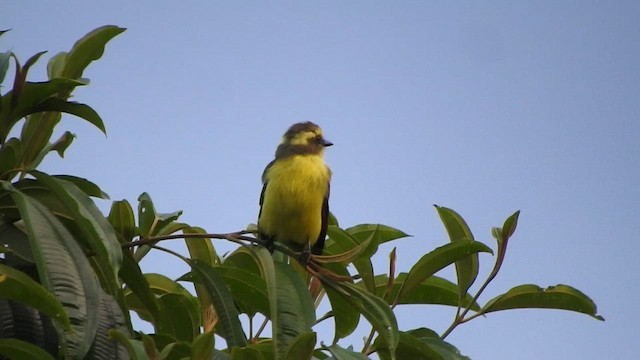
(318, 139)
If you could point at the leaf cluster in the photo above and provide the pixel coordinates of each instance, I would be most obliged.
(70, 277)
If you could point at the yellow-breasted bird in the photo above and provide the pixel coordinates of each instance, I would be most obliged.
(294, 203)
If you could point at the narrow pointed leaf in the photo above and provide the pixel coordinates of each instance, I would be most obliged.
(110, 316)
(561, 297)
(425, 344)
(10, 153)
(200, 248)
(341, 241)
(340, 353)
(381, 233)
(374, 309)
(135, 348)
(202, 347)
(433, 290)
(510, 224)
(22, 350)
(302, 347)
(97, 235)
(184, 322)
(89, 48)
(63, 269)
(438, 259)
(248, 288)
(80, 110)
(260, 257)
(345, 315)
(85, 185)
(246, 353)
(16, 285)
(123, 221)
(5, 58)
(138, 285)
(147, 215)
(466, 268)
(346, 256)
(61, 145)
(56, 65)
(223, 302)
(296, 313)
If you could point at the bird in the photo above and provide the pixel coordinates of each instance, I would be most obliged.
(294, 202)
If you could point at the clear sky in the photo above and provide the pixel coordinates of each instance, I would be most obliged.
(485, 108)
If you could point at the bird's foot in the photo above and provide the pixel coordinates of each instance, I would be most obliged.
(304, 257)
(270, 245)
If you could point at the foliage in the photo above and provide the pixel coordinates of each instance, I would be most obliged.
(70, 277)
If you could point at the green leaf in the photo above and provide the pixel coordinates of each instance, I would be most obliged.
(175, 350)
(425, 344)
(134, 348)
(138, 285)
(150, 347)
(22, 350)
(161, 284)
(381, 233)
(260, 257)
(502, 236)
(341, 241)
(85, 185)
(352, 254)
(365, 270)
(202, 347)
(89, 48)
(373, 308)
(296, 312)
(248, 288)
(332, 220)
(340, 353)
(302, 347)
(222, 301)
(56, 65)
(5, 58)
(21, 77)
(110, 316)
(438, 259)
(123, 221)
(36, 134)
(61, 145)
(96, 234)
(10, 153)
(17, 245)
(16, 285)
(432, 290)
(345, 316)
(83, 111)
(147, 215)
(184, 321)
(32, 95)
(246, 353)
(561, 297)
(63, 269)
(510, 224)
(200, 248)
(466, 268)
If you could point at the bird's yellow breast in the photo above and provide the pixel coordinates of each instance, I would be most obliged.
(292, 205)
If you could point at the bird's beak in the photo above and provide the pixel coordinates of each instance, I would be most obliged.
(326, 143)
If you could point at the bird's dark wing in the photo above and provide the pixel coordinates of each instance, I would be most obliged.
(317, 248)
(264, 186)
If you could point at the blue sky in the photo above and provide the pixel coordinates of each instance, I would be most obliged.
(486, 109)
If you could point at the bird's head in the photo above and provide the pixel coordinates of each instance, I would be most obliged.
(302, 138)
